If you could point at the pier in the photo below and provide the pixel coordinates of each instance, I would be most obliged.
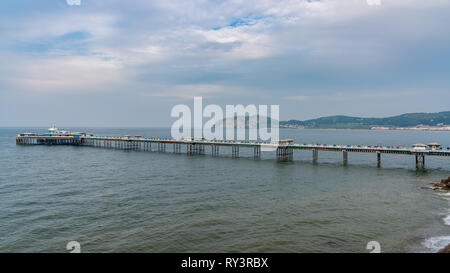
(284, 148)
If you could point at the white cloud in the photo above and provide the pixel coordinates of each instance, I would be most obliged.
(374, 2)
(41, 28)
(73, 2)
(186, 91)
(66, 74)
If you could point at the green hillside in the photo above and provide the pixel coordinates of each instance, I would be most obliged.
(405, 120)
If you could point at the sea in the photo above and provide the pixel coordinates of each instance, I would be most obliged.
(111, 200)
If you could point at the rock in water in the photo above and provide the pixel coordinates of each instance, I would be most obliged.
(444, 185)
(445, 250)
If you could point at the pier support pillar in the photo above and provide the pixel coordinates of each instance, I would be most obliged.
(285, 154)
(192, 149)
(257, 152)
(345, 157)
(214, 150)
(176, 148)
(378, 159)
(420, 161)
(315, 156)
(235, 151)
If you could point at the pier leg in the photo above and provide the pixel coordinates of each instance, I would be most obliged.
(345, 155)
(315, 156)
(235, 151)
(285, 154)
(420, 161)
(378, 159)
(279, 153)
(257, 152)
(214, 150)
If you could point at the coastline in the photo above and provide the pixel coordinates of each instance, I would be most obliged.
(441, 243)
(369, 129)
(445, 249)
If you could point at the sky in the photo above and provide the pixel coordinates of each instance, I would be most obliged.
(127, 63)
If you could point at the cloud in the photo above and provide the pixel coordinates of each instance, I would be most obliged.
(271, 50)
(186, 91)
(365, 95)
(374, 2)
(77, 74)
(73, 2)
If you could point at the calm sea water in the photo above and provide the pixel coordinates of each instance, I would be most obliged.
(134, 201)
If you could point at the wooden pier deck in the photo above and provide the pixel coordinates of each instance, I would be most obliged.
(284, 148)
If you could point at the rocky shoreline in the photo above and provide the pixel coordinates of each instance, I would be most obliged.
(445, 250)
(444, 185)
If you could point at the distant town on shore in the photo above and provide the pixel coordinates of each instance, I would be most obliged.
(412, 121)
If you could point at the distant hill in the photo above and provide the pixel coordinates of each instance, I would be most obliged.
(405, 120)
(244, 122)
